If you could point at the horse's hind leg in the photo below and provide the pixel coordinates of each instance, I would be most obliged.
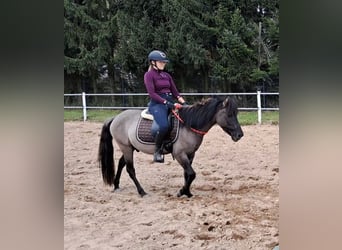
(121, 165)
(131, 171)
(127, 159)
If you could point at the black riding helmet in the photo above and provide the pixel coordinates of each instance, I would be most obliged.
(157, 55)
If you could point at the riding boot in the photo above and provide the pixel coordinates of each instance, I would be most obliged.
(158, 153)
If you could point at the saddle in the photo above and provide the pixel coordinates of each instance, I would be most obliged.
(145, 123)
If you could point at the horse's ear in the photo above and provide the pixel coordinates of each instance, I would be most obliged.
(225, 102)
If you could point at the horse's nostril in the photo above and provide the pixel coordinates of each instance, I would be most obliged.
(239, 135)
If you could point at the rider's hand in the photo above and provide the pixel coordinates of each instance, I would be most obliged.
(178, 106)
(169, 104)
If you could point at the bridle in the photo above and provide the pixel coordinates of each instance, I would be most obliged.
(192, 129)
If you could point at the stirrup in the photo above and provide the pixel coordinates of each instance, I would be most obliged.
(158, 157)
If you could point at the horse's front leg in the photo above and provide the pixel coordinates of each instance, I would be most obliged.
(189, 174)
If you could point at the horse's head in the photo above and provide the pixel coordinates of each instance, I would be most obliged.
(226, 118)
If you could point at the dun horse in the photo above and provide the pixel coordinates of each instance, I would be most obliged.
(196, 120)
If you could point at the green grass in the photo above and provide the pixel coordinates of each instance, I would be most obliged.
(92, 115)
(251, 117)
(245, 118)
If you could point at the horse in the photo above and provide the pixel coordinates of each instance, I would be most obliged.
(195, 121)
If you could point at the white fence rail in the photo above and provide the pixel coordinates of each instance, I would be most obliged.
(84, 106)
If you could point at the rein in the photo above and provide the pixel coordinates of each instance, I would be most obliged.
(192, 129)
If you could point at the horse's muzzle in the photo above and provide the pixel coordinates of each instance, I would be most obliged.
(237, 136)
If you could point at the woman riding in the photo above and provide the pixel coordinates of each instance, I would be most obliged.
(163, 93)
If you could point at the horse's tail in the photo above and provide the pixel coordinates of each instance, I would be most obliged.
(106, 154)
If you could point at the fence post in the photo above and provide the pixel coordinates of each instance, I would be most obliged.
(84, 105)
(259, 105)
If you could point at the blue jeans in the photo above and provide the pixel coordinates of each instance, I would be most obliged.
(160, 114)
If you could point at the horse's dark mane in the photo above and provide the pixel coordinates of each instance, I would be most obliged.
(200, 113)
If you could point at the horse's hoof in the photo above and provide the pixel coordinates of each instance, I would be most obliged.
(142, 194)
(182, 192)
(116, 190)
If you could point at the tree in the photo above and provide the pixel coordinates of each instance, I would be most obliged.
(205, 40)
(189, 44)
(234, 60)
(87, 38)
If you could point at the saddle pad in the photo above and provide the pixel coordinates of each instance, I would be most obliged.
(143, 131)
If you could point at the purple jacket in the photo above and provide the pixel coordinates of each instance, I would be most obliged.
(158, 83)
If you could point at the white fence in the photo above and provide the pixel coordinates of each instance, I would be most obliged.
(84, 106)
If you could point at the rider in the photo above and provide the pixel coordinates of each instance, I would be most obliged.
(162, 91)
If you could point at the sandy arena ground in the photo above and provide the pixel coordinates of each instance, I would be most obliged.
(235, 204)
